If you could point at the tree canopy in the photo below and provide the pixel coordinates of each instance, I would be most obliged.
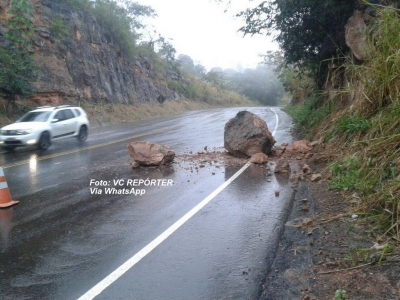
(259, 84)
(308, 31)
(190, 67)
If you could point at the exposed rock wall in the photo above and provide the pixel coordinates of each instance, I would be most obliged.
(83, 64)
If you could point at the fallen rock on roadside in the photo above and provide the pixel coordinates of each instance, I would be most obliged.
(259, 158)
(282, 166)
(148, 154)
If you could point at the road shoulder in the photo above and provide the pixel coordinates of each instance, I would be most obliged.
(325, 252)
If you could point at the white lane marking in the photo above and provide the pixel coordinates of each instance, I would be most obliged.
(102, 285)
(277, 122)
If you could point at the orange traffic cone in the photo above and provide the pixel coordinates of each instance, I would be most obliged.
(5, 196)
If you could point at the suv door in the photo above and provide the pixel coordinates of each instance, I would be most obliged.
(65, 124)
(71, 121)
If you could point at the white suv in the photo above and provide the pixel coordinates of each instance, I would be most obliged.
(42, 125)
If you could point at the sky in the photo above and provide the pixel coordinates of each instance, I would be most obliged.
(202, 30)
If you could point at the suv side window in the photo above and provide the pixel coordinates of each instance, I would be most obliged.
(60, 115)
(68, 114)
(77, 112)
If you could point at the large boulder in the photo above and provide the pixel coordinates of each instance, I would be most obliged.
(247, 134)
(148, 154)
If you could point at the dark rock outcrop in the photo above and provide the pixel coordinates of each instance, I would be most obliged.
(247, 134)
(145, 153)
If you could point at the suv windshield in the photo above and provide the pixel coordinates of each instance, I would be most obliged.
(35, 116)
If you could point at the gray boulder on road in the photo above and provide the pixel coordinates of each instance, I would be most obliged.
(247, 134)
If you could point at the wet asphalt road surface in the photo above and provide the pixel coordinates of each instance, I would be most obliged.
(64, 238)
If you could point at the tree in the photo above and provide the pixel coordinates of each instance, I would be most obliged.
(191, 68)
(259, 84)
(165, 49)
(199, 70)
(308, 31)
(216, 79)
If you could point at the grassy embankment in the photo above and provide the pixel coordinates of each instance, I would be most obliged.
(364, 139)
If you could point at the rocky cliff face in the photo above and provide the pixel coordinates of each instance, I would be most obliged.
(82, 63)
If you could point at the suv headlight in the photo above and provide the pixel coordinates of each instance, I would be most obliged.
(23, 132)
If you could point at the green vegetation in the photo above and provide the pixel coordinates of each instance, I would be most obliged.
(20, 26)
(350, 174)
(377, 144)
(310, 115)
(57, 26)
(341, 295)
(379, 75)
(367, 140)
(260, 84)
(349, 126)
(197, 89)
(17, 68)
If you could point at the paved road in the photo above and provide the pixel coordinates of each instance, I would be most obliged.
(63, 238)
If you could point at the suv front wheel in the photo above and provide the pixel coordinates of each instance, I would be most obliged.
(44, 141)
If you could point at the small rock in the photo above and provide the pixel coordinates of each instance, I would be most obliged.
(316, 177)
(259, 158)
(278, 152)
(282, 166)
(134, 164)
(306, 169)
(301, 146)
(307, 222)
(309, 155)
